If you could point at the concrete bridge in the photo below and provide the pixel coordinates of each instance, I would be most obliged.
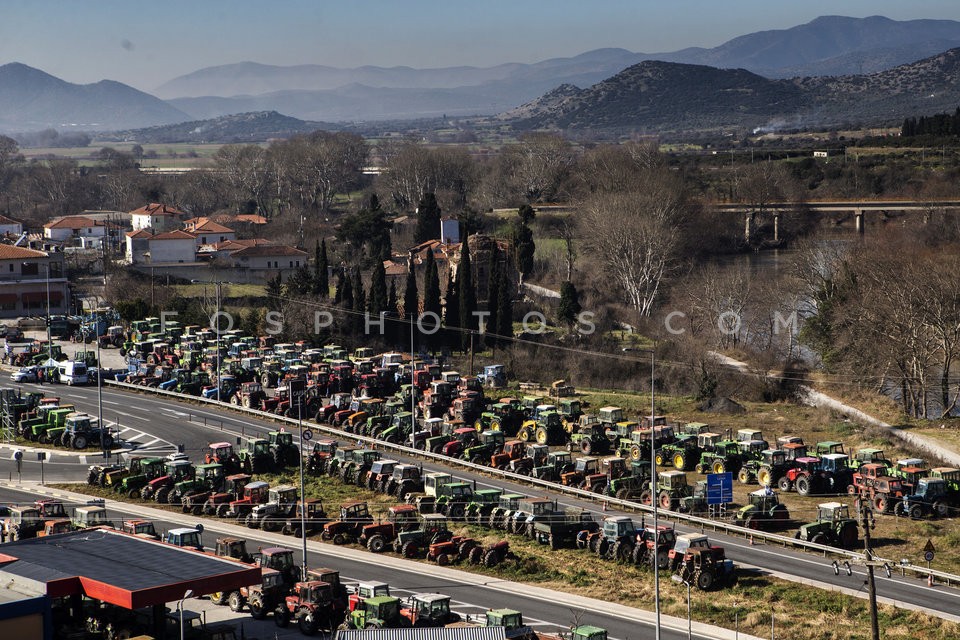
(859, 208)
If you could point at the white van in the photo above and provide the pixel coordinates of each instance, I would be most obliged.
(72, 373)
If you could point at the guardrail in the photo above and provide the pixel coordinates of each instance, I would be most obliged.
(701, 523)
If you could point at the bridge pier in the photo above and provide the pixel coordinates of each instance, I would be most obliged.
(776, 227)
(746, 228)
(858, 220)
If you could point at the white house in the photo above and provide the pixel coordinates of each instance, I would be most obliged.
(209, 232)
(11, 227)
(269, 256)
(73, 227)
(172, 247)
(160, 217)
(30, 280)
(138, 245)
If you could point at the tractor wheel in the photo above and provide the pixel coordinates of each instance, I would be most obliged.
(600, 488)
(764, 477)
(308, 624)
(161, 496)
(851, 490)
(803, 485)
(699, 468)
(750, 522)
(476, 555)
(218, 598)
(941, 509)
(646, 497)
(376, 543)
(468, 545)
(79, 442)
(819, 538)
(586, 446)
(222, 510)
(680, 461)
(339, 539)
(524, 434)
(881, 503)
(623, 494)
(666, 501)
(744, 476)
(542, 435)
(256, 608)
(622, 551)
(784, 484)
(704, 580)
(916, 511)
(174, 497)
(146, 493)
(456, 512)
(281, 616)
(236, 602)
(659, 459)
(719, 466)
(133, 493)
(491, 558)
(443, 559)
(92, 477)
(634, 453)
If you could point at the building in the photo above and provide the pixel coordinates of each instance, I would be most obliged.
(138, 245)
(74, 229)
(278, 257)
(208, 232)
(159, 217)
(172, 247)
(30, 280)
(10, 227)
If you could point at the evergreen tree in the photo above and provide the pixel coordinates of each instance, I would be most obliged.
(345, 292)
(321, 286)
(525, 248)
(392, 330)
(569, 306)
(359, 302)
(378, 291)
(411, 297)
(431, 286)
(493, 297)
(467, 292)
(428, 219)
(392, 297)
(338, 293)
(451, 317)
(275, 292)
(505, 306)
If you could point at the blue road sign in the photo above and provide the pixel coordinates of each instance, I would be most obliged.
(307, 435)
(719, 488)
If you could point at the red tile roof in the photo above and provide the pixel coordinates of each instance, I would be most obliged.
(206, 225)
(154, 209)
(6, 220)
(10, 252)
(236, 245)
(72, 222)
(138, 235)
(179, 234)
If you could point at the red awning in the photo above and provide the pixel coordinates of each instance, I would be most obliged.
(34, 296)
(8, 298)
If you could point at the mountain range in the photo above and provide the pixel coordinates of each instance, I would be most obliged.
(826, 69)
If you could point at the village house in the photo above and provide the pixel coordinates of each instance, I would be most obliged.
(74, 229)
(159, 217)
(29, 279)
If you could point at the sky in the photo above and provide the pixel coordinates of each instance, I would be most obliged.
(144, 44)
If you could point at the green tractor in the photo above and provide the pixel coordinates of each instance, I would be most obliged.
(453, 498)
(488, 443)
(284, 452)
(354, 469)
(399, 429)
(545, 426)
(255, 456)
(833, 527)
(378, 612)
(207, 479)
(719, 456)
(683, 454)
(553, 466)
(672, 487)
(141, 472)
(764, 511)
(590, 439)
(502, 416)
(484, 501)
(415, 543)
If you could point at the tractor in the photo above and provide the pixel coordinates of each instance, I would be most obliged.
(21, 523)
(513, 452)
(672, 487)
(545, 426)
(249, 395)
(452, 499)
(81, 430)
(582, 469)
(255, 457)
(561, 531)
(378, 536)
(314, 519)
(272, 515)
(654, 545)
(683, 453)
(751, 453)
(379, 475)
(590, 439)
(719, 456)
(354, 470)
(484, 501)
(186, 537)
(340, 457)
(500, 514)
(804, 476)
(379, 612)
(354, 516)
(284, 452)
(835, 472)
(706, 568)
(501, 416)
(414, 543)
(833, 527)
(681, 545)
(763, 512)
(266, 596)
(254, 493)
(929, 498)
(404, 481)
(531, 511)
(615, 540)
(311, 606)
(218, 503)
(160, 487)
(141, 529)
(140, 471)
(429, 610)
(884, 493)
(477, 448)
(222, 453)
(320, 456)
(867, 456)
(400, 427)
(552, 467)
(192, 494)
(773, 465)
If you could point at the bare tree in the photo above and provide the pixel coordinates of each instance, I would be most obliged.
(246, 170)
(413, 170)
(538, 164)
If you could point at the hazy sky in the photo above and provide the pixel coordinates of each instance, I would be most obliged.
(147, 43)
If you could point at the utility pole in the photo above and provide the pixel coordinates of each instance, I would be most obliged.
(866, 521)
(653, 491)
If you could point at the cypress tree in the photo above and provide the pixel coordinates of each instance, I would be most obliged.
(359, 302)
(493, 297)
(428, 219)
(378, 291)
(569, 306)
(345, 292)
(411, 295)
(431, 286)
(451, 317)
(467, 292)
(392, 297)
(505, 306)
(320, 266)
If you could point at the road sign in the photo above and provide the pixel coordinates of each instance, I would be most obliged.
(307, 435)
(929, 546)
(719, 488)
(928, 556)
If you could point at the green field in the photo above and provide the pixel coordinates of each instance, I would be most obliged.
(167, 155)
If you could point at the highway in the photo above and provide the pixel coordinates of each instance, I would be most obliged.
(471, 594)
(196, 425)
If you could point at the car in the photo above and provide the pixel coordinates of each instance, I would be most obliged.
(26, 374)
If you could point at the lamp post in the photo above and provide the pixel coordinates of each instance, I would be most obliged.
(187, 594)
(653, 497)
(218, 341)
(96, 337)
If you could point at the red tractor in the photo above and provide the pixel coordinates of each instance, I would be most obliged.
(452, 550)
(311, 605)
(513, 450)
(222, 453)
(354, 516)
(377, 536)
(254, 493)
(318, 458)
(219, 503)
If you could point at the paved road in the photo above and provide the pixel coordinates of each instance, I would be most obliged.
(472, 594)
(195, 426)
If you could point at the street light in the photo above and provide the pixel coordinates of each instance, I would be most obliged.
(653, 497)
(96, 337)
(187, 594)
(685, 581)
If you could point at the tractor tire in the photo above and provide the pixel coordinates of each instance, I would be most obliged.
(161, 495)
(523, 435)
(586, 446)
(680, 461)
(634, 453)
(623, 552)
(146, 493)
(784, 484)
(222, 510)
(916, 511)
(174, 497)
(133, 493)
(744, 476)
(819, 538)
(491, 559)
(881, 503)
(542, 435)
(659, 459)
(476, 555)
(751, 522)
(308, 623)
(646, 497)
(218, 598)
(803, 485)
(765, 477)
(465, 547)
(456, 512)
(699, 468)
(79, 442)
(409, 550)
(666, 501)
(92, 477)
(443, 559)
(941, 509)
(719, 466)
(377, 543)
(256, 608)
(236, 602)
(623, 494)
(704, 580)
(281, 616)
(339, 539)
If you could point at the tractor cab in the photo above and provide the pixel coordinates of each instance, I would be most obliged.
(587, 632)
(90, 516)
(236, 548)
(141, 529)
(184, 537)
(51, 508)
(828, 446)
(832, 512)
(365, 590)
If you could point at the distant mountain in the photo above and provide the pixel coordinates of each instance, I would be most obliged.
(31, 99)
(830, 45)
(670, 97)
(241, 127)
(658, 96)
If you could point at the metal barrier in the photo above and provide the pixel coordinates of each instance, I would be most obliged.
(702, 523)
